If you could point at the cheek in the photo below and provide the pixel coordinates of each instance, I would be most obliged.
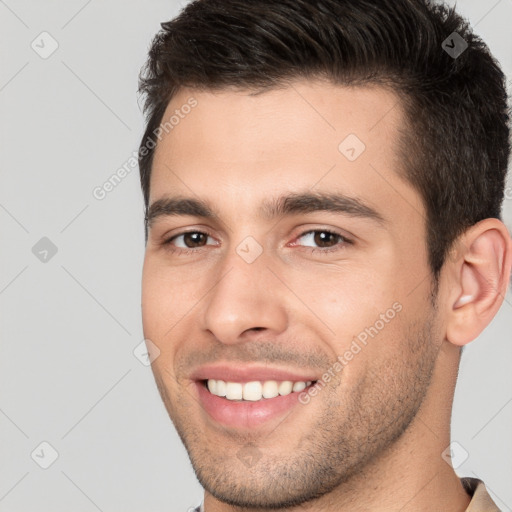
(346, 299)
(169, 315)
(151, 299)
(364, 311)
(167, 296)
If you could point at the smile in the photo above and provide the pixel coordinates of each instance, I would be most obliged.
(250, 404)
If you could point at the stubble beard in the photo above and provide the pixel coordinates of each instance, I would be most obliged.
(347, 434)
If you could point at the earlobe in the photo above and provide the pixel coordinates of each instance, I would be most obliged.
(481, 278)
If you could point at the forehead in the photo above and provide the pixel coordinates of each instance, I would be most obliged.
(317, 136)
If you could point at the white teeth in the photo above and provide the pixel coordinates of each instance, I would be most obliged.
(270, 389)
(233, 391)
(299, 386)
(255, 390)
(285, 388)
(221, 388)
(252, 391)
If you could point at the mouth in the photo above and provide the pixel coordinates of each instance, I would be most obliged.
(246, 399)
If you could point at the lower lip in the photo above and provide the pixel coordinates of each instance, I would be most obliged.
(245, 414)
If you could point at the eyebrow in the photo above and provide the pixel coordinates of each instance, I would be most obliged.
(290, 204)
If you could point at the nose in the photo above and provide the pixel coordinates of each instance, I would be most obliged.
(245, 298)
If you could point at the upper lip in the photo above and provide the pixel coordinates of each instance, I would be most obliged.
(241, 373)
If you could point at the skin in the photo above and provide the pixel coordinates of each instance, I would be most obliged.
(372, 438)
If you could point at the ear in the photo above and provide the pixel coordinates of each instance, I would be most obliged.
(478, 279)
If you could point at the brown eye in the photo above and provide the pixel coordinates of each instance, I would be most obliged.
(322, 239)
(325, 238)
(194, 239)
(189, 240)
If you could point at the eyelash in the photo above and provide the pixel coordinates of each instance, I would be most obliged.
(339, 246)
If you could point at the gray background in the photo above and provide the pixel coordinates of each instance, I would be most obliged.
(69, 324)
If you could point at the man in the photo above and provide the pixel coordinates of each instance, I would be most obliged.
(323, 182)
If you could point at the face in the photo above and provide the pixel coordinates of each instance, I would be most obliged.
(285, 251)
